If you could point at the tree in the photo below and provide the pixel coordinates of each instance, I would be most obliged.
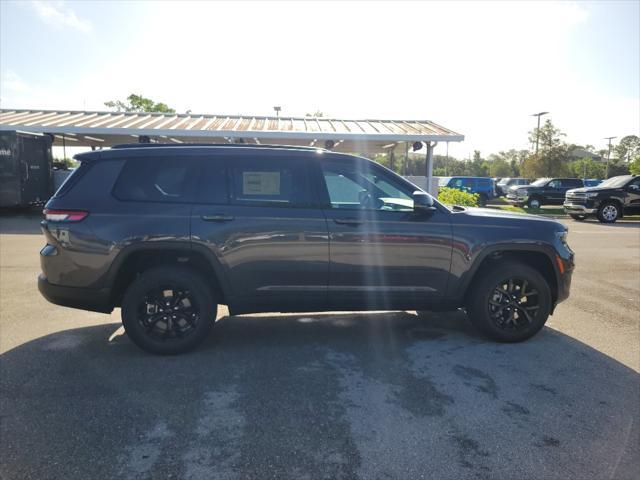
(553, 156)
(634, 166)
(586, 167)
(549, 136)
(628, 149)
(317, 113)
(138, 103)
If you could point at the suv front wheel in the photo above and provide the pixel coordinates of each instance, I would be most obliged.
(510, 302)
(168, 310)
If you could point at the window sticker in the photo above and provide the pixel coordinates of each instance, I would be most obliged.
(261, 183)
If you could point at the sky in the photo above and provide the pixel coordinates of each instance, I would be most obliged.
(479, 68)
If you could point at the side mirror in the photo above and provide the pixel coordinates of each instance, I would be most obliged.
(422, 202)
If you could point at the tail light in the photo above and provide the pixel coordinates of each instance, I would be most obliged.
(64, 215)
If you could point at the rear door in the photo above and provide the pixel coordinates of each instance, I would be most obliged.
(382, 254)
(256, 214)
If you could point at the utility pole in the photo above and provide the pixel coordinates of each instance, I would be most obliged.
(538, 129)
(608, 155)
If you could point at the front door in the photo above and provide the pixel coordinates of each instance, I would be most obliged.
(257, 216)
(382, 254)
(633, 194)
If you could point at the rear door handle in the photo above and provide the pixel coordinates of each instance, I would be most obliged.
(217, 218)
(348, 221)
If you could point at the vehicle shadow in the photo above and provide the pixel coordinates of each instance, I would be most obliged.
(344, 395)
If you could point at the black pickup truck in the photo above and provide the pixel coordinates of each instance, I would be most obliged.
(612, 199)
(544, 191)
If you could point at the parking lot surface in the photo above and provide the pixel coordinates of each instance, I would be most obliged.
(388, 395)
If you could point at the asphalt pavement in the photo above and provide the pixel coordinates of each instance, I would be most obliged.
(384, 395)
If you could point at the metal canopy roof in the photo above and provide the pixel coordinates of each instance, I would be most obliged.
(104, 129)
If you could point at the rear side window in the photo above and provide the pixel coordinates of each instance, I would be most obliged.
(270, 182)
(164, 179)
(72, 179)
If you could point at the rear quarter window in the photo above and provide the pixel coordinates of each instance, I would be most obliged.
(164, 179)
(72, 179)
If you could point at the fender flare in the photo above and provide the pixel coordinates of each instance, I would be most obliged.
(186, 246)
(470, 274)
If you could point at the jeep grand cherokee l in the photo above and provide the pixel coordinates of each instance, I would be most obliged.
(167, 233)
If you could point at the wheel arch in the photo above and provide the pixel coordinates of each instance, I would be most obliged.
(537, 257)
(615, 200)
(136, 259)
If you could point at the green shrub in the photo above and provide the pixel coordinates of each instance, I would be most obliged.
(453, 196)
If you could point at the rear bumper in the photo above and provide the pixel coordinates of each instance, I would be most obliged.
(581, 209)
(72, 297)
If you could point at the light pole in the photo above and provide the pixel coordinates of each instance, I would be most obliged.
(538, 129)
(277, 110)
(608, 155)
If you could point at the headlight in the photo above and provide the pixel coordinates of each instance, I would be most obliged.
(591, 194)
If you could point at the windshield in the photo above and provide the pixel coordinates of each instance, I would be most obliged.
(616, 182)
(442, 181)
(540, 182)
(504, 181)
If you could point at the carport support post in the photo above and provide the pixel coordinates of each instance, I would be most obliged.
(429, 165)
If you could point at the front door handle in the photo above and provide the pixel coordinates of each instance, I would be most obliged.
(217, 218)
(348, 221)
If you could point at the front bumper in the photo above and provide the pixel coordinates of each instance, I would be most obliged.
(577, 208)
(518, 200)
(83, 298)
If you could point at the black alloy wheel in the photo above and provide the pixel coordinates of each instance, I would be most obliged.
(168, 310)
(509, 301)
(513, 304)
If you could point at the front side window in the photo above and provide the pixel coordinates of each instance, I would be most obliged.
(357, 185)
(213, 182)
(164, 179)
(270, 182)
(554, 184)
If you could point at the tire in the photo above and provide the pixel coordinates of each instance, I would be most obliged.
(579, 218)
(168, 310)
(534, 202)
(500, 317)
(482, 200)
(608, 212)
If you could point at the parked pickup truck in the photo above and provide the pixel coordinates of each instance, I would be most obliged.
(608, 201)
(544, 191)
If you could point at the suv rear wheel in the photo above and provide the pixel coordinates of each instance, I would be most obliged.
(608, 212)
(510, 302)
(168, 310)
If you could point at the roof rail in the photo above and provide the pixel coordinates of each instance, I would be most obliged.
(249, 145)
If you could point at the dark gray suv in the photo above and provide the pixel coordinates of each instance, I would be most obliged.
(167, 233)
